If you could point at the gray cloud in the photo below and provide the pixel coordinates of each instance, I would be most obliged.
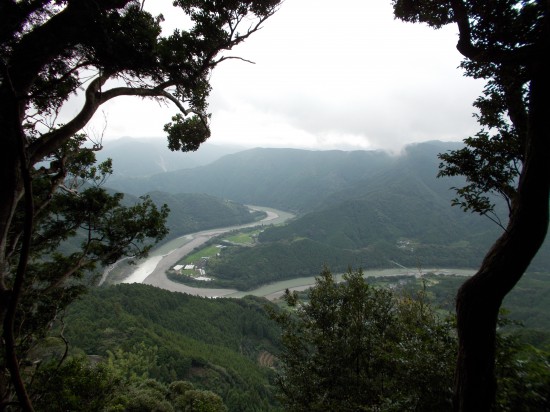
(329, 76)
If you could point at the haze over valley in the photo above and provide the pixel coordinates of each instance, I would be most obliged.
(247, 224)
(366, 209)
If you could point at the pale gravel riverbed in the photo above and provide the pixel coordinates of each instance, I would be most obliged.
(152, 271)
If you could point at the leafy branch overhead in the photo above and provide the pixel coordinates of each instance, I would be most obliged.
(117, 49)
(500, 41)
(56, 222)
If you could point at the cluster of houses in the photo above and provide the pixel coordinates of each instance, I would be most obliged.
(200, 270)
(405, 244)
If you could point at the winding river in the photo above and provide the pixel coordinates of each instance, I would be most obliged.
(152, 271)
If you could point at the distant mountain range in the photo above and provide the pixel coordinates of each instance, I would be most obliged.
(292, 179)
(361, 208)
(134, 157)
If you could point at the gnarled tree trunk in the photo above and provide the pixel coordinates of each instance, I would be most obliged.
(480, 298)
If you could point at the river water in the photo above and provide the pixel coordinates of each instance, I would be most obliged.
(152, 271)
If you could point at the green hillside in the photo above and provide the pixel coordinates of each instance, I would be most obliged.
(382, 230)
(361, 208)
(287, 179)
(400, 216)
(193, 212)
(389, 208)
(228, 346)
(223, 345)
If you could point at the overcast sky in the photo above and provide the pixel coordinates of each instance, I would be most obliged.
(327, 75)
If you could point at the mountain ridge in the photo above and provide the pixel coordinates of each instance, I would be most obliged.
(288, 179)
(361, 208)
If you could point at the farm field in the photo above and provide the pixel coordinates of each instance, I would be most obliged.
(200, 256)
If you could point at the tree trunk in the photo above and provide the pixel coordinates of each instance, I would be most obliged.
(14, 170)
(11, 187)
(479, 299)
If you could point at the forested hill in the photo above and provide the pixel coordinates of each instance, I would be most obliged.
(193, 212)
(361, 208)
(404, 201)
(365, 209)
(394, 219)
(227, 346)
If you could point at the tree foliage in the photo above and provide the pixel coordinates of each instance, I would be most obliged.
(79, 385)
(76, 385)
(73, 211)
(506, 43)
(51, 51)
(150, 333)
(355, 347)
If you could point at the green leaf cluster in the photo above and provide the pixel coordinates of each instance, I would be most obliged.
(355, 347)
(78, 226)
(80, 385)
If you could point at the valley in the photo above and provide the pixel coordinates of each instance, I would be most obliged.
(339, 260)
(388, 215)
(153, 270)
(362, 209)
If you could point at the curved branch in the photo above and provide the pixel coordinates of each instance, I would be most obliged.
(221, 59)
(82, 262)
(65, 342)
(36, 48)
(234, 39)
(55, 82)
(513, 95)
(183, 109)
(158, 91)
(94, 99)
(51, 141)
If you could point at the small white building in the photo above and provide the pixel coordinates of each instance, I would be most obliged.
(189, 267)
(178, 267)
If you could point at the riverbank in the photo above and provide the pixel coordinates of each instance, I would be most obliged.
(152, 271)
(277, 289)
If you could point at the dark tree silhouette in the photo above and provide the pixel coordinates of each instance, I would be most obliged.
(101, 49)
(506, 42)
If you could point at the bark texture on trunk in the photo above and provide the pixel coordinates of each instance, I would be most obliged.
(479, 299)
(15, 171)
